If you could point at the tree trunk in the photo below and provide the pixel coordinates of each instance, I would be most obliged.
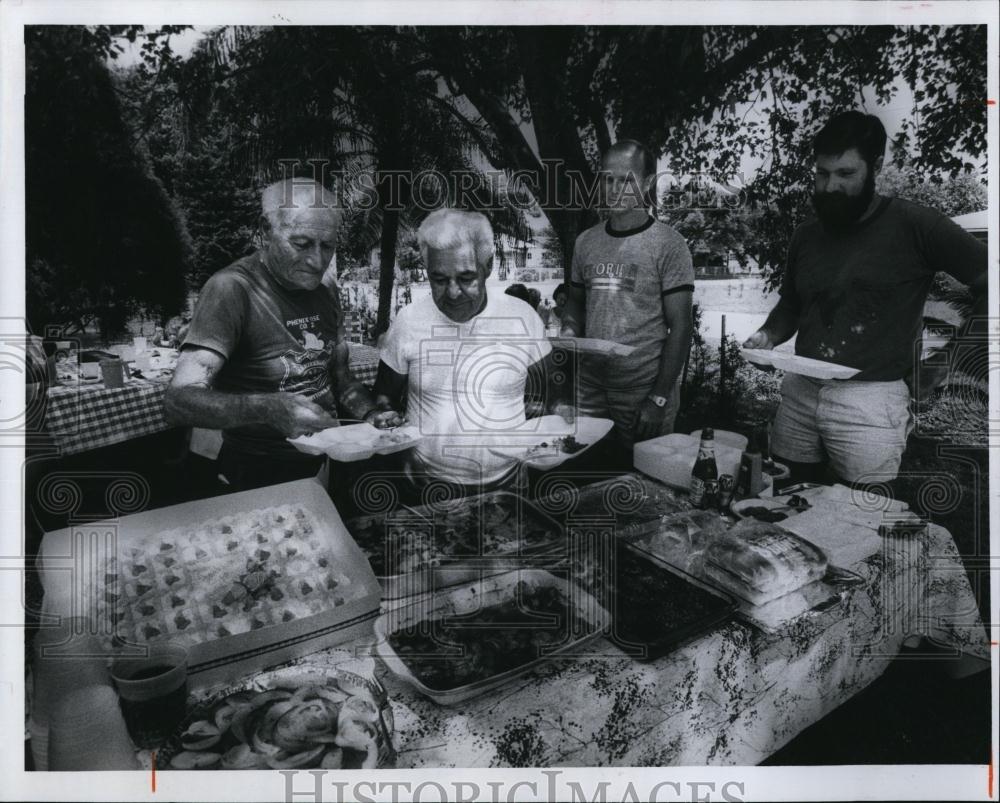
(544, 56)
(387, 267)
(567, 224)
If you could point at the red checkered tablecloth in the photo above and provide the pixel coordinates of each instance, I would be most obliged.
(89, 416)
(84, 417)
(364, 363)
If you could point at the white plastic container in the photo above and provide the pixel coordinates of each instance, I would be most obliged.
(671, 458)
(218, 659)
(726, 438)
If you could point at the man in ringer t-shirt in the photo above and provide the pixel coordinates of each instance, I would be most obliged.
(631, 283)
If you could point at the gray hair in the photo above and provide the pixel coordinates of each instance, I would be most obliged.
(296, 193)
(444, 229)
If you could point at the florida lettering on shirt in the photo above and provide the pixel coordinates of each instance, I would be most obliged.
(611, 276)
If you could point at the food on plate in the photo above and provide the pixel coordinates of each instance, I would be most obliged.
(317, 724)
(773, 469)
(390, 436)
(761, 513)
(189, 760)
(449, 653)
(410, 541)
(565, 445)
(224, 577)
(760, 562)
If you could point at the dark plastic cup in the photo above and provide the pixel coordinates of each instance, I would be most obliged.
(152, 692)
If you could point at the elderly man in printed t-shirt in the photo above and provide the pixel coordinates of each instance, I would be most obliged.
(632, 282)
(463, 357)
(265, 357)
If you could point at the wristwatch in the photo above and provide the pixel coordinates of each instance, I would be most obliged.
(659, 401)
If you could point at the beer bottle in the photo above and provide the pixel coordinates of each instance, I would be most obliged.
(705, 471)
(750, 481)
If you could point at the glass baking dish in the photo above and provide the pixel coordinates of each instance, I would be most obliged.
(437, 618)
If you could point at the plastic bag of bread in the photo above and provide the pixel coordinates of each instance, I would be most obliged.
(678, 537)
(760, 562)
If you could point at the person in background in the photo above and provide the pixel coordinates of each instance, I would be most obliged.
(529, 295)
(519, 291)
(465, 357)
(632, 281)
(854, 286)
(182, 331)
(559, 297)
(265, 358)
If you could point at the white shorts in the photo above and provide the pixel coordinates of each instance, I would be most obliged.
(860, 427)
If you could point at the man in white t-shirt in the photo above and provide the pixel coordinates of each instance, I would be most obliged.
(462, 357)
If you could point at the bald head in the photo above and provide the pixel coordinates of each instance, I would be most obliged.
(299, 223)
(628, 174)
(635, 151)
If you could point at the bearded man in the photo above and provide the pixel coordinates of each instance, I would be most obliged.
(853, 291)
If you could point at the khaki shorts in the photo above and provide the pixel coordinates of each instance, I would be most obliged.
(860, 427)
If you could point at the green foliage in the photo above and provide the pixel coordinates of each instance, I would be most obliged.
(949, 195)
(552, 249)
(104, 240)
(221, 210)
(374, 100)
(736, 400)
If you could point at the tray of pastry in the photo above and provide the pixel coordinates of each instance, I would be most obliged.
(418, 549)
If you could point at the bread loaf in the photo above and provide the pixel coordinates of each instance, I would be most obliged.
(760, 562)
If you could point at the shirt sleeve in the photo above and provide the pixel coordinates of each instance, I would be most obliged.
(337, 311)
(676, 267)
(393, 351)
(951, 249)
(536, 330)
(576, 265)
(219, 315)
(788, 297)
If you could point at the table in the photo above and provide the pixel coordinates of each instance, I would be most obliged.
(90, 416)
(731, 697)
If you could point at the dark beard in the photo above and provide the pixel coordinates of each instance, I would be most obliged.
(837, 209)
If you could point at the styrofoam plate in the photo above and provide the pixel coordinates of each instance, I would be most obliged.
(804, 366)
(526, 442)
(356, 442)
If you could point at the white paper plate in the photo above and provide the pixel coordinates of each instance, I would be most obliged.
(793, 363)
(356, 442)
(592, 345)
(525, 443)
